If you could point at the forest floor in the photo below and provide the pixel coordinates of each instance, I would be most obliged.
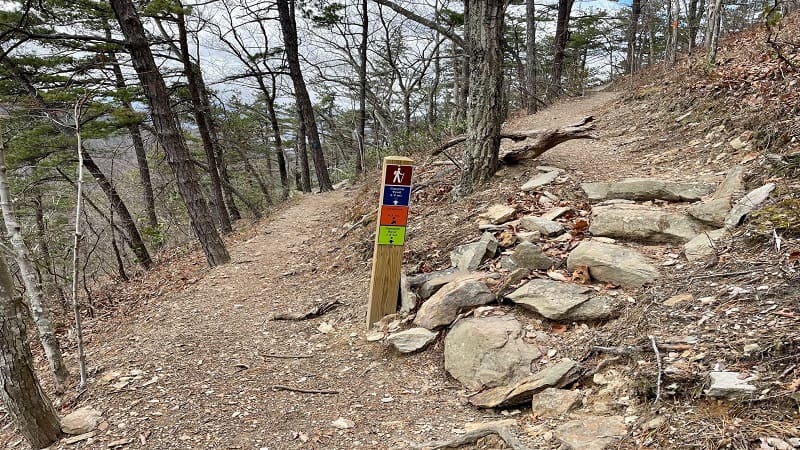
(189, 357)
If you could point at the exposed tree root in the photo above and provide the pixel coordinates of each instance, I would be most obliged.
(317, 311)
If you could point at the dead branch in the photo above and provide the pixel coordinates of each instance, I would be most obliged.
(280, 387)
(365, 218)
(316, 311)
(472, 437)
(658, 360)
(536, 142)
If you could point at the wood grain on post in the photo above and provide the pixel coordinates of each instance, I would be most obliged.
(389, 243)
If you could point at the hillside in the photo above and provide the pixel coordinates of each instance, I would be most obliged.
(187, 357)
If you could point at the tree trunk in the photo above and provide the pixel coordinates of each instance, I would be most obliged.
(277, 140)
(22, 395)
(302, 156)
(55, 288)
(485, 109)
(695, 12)
(134, 240)
(672, 45)
(138, 147)
(165, 124)
(191, 69)
(361, 151)
(289, 27)
(713, 30)
(530, 57)
(466, 60)
(633, 30)
(33, 289)
(262, 185)
(561, 39)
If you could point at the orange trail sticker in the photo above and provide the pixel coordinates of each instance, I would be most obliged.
(394, 215)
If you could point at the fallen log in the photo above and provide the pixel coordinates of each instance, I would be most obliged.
(534, 142)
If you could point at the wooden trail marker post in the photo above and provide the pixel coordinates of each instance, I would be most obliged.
(390, 237)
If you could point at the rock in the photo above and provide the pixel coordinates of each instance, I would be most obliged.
(703, 245)
(678, 299)
(343, 424)
(411, 340)
(435, 283)
(443, 307)
(552, 402)
(729, 385)
(529, 236)
(418, 280)
(543, 226)
(555, 213)
(497, 214)
(561, 301)
(504, 423)
(748, 204)
(344, 184)
(648, 189)
(530, 256)
(78, 438)
(749, 349)
(550, 169)
(616, 201)
(613, 263)
(470, 256)
(540, 180)
(408, 299)
(555, 375)
(488, 351)
(81, 421)
(591, 432)
(714, 211)
(644, 224)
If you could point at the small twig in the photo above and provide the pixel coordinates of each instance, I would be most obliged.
(273, 355)
(724, 274)
(316, 311)
(658, 360)
(280, 387)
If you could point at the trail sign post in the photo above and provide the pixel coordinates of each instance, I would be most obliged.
(390, 237)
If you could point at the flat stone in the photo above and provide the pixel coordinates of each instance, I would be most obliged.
(729, 385)
(418, 280)
(552, 402)
(343, 424)
(470, 256)
(412, 340)
(444, 306)
(643, 189)
(703, 245)
(550, 169)
(488, 351)
(591, 432)
(530, 256)
(543, 226)
(613, 263)
(497, 214)
(561, 301)
(678, 299)
(644, 224)
(529, 236)
(503, 423)
(75, 439)
(435, 283)
(714, 210)
(748, 204)
(555, 375)
(81, 421)
(540, 180)
(600, 307)
(555, 213)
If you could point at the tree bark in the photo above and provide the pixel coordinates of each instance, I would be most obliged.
(485, 109)
(302, 155)
(55, 288)
(165, 124)
(530, 57)
(22, 395)
(33, 289)
(277, 140)
(361, 151)
(190, 70)
(633, 31)
(561, 39)
(286, 11)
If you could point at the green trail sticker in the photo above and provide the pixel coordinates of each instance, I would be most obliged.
(392, 235)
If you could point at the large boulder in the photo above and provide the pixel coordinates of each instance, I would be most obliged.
(562, 301)
(648, 189)
(488, 352)
(555, 375)
(644, 224)
(470, 256)
(444, 306)
(613, 263)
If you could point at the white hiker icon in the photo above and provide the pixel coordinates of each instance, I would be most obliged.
(398, 176)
